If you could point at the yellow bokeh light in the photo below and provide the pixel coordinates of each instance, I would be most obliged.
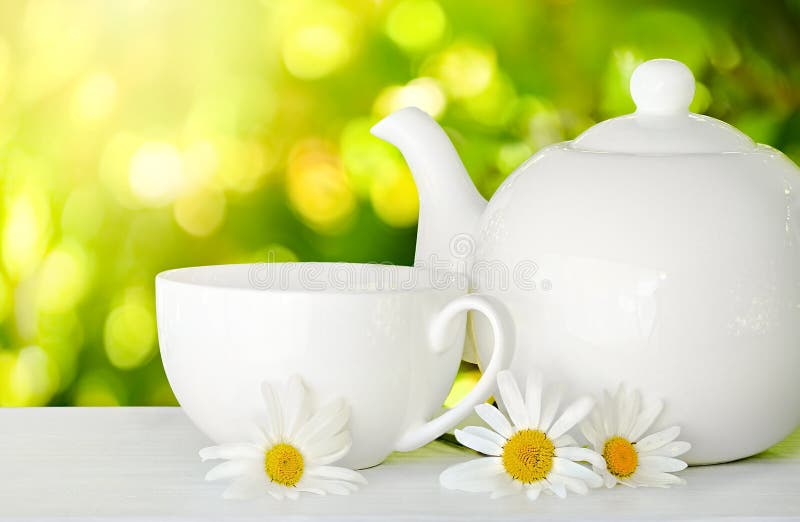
(244, 165)
(161, 395)
(130, 331)
(540, 122)
(495, 104)
(464, 69)
(6, 298)
(61, 336)
(273, 253)
(416, 25)
(26, 232)
(365, 157)
(83, 213)
(423, 93)
(395, 199)
(200, 211)
(319, 42)
(25, 314)
(7, 360)
(5, 68)
(156, 173)
(96, 389)
(466, 379)
(200, 161)
(115, 164)
(32, 378)
(63, 279)
(95, 97)
(701, 100)
(511, 155)
(318, 187)
(59, 39)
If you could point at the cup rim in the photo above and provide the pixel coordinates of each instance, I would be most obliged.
(408, 279)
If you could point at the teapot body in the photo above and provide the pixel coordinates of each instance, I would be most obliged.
(659, 249)
(676, 274)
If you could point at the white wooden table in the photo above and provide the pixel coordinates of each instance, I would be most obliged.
(142, 464)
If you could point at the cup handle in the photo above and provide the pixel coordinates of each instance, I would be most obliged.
(503, 330)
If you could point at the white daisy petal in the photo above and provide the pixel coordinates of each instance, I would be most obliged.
(512, 399)
(273, 410)
(565, 440)
(310, 486)
(533, 398)
(294, 407)
(334, 487)
(329, 445)
(487, 434)
(550, 401)
(673, 449)
(558, 488)
(246, 487)
(275, 491)
(496, 420)
(656, 480)
(336, 473)
(505, 486)
(478, 443)
(621, 406)
(581, 454)
(658, 463)
(332, 457)
(629, 413)
(234, 468)
(571, 483)
(474, 475)
(574, 413)
(231, 451)
(330, 450)
(658, 439)
(533, 491)
(326, 422)
(566, 467)
(261, 435)
(609, 415)
(608, 479)
(319, 438)
(646, 419)
(339, 487)
(349, 486)
(596, 422)
(590, 433)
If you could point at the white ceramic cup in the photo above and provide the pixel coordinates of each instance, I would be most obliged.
(387, 339)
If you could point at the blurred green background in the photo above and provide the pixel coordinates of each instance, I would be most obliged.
(138, 136)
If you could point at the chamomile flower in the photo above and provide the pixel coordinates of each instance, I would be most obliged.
(534, 454)
(616, 429)
(291, 451)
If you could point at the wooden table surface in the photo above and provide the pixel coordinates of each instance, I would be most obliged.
(142, 464)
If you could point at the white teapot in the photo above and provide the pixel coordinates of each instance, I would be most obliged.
(666, 253)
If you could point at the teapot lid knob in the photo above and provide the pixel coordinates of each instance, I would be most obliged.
(662, 87)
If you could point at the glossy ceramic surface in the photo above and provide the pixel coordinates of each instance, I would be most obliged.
(666, 254)
(386, 339)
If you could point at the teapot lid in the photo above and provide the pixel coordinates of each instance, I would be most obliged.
(662, 124)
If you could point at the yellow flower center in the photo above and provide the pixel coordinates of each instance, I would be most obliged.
(284, 464)
(621, 457)
(528, 456)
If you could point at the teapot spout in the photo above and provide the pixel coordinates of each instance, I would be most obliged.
(449, 204)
